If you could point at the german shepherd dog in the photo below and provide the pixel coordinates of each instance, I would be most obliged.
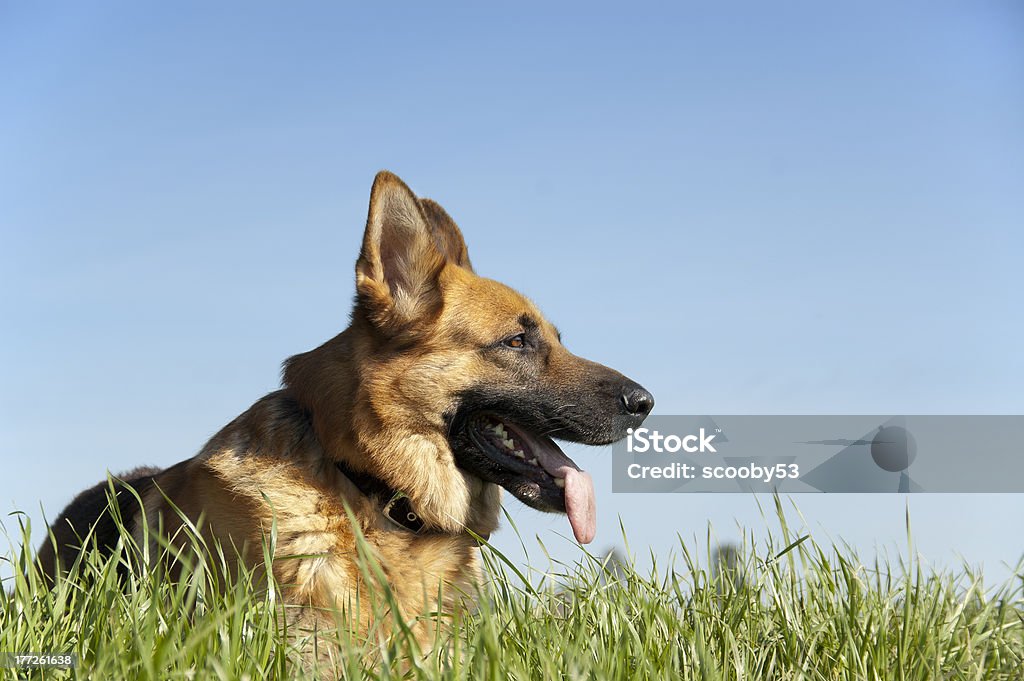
(445, 388)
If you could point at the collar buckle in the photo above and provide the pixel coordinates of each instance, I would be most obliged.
(399, 511)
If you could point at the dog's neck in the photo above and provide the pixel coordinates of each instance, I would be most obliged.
(325, 381)
(356, 428)
(394, 505)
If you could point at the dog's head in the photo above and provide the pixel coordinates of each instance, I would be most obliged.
(463, 382)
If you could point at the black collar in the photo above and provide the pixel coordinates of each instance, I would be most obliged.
(395, 506)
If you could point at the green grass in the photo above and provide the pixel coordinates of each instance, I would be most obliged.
(787, 608)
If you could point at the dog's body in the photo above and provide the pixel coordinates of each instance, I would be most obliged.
(444, 388)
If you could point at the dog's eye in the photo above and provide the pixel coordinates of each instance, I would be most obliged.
(517, 342)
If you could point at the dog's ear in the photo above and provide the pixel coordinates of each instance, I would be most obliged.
(447, 234)
(399, 265)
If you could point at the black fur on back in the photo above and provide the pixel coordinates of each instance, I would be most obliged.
(90, 511)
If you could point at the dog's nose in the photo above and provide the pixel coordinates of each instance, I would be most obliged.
(637, 401)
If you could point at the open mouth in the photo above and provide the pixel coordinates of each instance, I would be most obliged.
(537, 471)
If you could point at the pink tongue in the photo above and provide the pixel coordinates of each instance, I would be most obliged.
(579, 505)
(579, 489)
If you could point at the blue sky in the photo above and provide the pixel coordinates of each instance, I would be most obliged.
(749, 208)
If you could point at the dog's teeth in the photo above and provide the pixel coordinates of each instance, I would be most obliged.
(533, 462)
(519, 453)
(560, 482)
(510, 444)
(500, 430)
